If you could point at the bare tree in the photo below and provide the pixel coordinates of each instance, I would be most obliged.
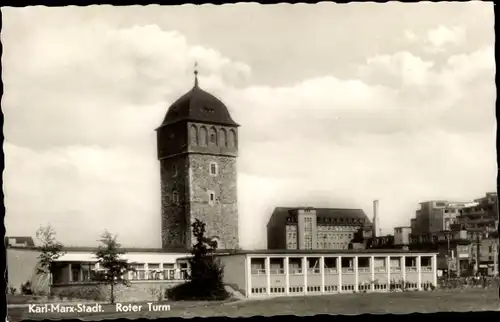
(50, 250)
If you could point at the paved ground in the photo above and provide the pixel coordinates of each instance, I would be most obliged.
(408, 302)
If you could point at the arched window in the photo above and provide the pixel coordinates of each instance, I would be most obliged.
(175, 197)
(213, 136)
(203, 138)
(213, 169)
(194, 135)
(232, 143)
(223, 138)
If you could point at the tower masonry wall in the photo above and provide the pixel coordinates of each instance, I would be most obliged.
(221, 214)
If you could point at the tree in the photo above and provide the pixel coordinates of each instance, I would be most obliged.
(50, 250)
(206, 272)
(113, 266)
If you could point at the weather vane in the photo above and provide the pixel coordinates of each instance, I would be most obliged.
(195, 73)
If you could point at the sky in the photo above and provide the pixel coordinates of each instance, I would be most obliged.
(338, 105)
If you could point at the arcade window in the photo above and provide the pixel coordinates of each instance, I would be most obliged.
(213, 169)
(174, 170)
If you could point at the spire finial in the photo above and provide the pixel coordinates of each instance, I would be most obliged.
(196, 74)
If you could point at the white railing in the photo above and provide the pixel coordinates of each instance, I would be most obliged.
(364, 269)
(380, 270)
(313, 271)
(347, 270)
(331, 270)
(426, 269)
(260, 271)
(277, 271)
(395, 269)
(411, 269)
(295, 271)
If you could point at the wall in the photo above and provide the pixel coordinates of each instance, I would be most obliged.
(193, 182)
(310, 214)
(221, 217)
(276, 232)
(291, 241)
(137, 291)
(313, 280)
(364, 277)
(21, 265)
(278, 280)
(174, 222)
(331, 279)
(235, 270)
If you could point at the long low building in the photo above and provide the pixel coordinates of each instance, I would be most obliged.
(290, 273)
(72, 275)
(256, 273)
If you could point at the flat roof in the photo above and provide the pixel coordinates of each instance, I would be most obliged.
(323, 251)
(125, 249)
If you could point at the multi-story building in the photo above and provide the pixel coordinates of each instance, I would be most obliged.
(484, 255)
(315, 228)
(480, 216)
(453, 227)
(402, 236)
(454, 252)
(436, 215)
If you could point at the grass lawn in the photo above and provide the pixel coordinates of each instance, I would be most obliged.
(399, 303)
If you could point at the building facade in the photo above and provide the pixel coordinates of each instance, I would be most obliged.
(480, 216)
(315, 228)
(402, 236)
(295, 273)
(197, 150)
(437, 215)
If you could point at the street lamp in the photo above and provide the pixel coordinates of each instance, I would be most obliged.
(448, 257)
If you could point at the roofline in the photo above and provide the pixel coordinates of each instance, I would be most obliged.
(325, 251)
(94, 249)
(316, 208)
(202, 153)
(437, 200)
(193, 121)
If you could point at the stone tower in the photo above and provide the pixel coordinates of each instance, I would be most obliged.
(197, 148)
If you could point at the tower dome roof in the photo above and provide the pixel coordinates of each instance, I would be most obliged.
(199, 106)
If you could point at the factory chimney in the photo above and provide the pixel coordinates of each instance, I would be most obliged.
(375, 232)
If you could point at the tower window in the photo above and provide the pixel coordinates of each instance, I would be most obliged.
(175, 197)
(174, 170)
(211, 197)
(213, 168)
(213, 139)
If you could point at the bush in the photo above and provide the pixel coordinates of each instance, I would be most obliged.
(26, 288)
(93, 293)
(12, 290)
(157, 293)
(190, 291)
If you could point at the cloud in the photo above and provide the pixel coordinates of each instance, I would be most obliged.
(441, 37)
(80, 117)
(410, 36)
